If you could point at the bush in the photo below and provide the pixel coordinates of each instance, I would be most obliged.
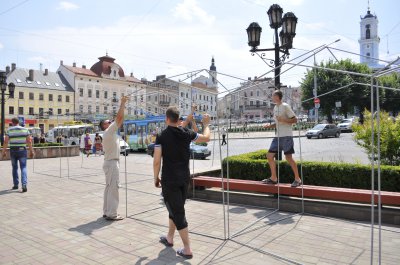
(254, 166)
(47, 144)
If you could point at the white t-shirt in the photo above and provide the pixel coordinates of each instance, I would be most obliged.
(285, 111)
(111, 146)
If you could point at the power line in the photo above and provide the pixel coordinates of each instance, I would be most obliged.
(13, 7)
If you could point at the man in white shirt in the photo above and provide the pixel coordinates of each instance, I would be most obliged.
(284, 118)
(111, 150)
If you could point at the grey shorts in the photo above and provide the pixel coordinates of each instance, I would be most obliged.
(285, 143)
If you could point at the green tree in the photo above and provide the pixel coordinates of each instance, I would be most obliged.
(389, 137)
(353, 96)
(391, 98)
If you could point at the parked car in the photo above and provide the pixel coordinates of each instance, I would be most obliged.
(345, 125)
(196, 151)
(323, 130)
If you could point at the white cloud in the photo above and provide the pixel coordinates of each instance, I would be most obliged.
(67, 6)
(190, 11)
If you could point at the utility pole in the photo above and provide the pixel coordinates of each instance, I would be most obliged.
(315, 90)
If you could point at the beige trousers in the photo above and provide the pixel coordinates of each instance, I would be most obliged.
(111, 194)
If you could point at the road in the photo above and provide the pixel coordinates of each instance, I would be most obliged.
(342, 149)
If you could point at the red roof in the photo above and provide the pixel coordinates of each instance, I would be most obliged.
(103, 66)
(81, 71)
(132, 79)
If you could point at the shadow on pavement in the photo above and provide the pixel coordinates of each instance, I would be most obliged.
(87, 229)
(170, 255)
(5, 192)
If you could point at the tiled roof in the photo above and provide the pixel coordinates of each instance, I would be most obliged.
(81, 71)
(53, 81)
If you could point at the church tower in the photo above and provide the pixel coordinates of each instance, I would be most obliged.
(369, 40)
(213, 73)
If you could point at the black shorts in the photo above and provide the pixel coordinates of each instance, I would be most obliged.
(285, 143)
(174, 197)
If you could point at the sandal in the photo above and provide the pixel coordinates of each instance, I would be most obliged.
(269, 181)
(164, 241)
(180, 253)
(115, 218)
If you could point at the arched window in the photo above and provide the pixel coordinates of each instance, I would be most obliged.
(367, 32)
(368, 54)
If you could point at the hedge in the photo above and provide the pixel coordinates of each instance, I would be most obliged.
(47, 144)
(254, 166)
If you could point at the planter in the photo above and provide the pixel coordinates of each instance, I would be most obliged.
(51, 152)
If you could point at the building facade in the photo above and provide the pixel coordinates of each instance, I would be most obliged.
(42, 98)
(99, 89)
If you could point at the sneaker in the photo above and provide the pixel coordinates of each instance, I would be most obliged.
(269, 181)
(296, 184)
(15, 187)
(24, 189)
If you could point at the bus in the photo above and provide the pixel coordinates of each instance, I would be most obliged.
(141, 133)
(73, 133)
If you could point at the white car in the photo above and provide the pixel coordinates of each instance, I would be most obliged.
(345, 125)
(123, 145)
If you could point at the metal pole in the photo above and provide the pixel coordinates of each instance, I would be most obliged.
(2, 115)
(222, 174)
(378, 118)
(227, 181)
(315, 90)
(372, 172)
(59, 147)
(126, 178)
(277, 62)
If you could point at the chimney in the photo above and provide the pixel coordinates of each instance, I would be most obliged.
(31, 74)
(61, 62)
(249, 78)
(13, 67)
(83, 66)
(73, 64)
(46, 71)
(255, 78)
(7, 70)
(131, 74)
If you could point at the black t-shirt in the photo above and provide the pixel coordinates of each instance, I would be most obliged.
(174, 143)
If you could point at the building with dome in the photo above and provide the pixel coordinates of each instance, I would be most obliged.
(99, 89)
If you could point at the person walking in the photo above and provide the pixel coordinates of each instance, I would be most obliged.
(172, 149)
(224, 136)
(17, 138)
(112, 151)
(284, 118)
(88, 144)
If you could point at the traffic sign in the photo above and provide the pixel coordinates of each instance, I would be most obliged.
(21, 120)
(316, 100)
(317, 105)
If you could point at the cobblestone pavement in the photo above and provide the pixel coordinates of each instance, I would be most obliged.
(58, 221)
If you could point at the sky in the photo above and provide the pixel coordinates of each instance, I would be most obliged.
(175, 37)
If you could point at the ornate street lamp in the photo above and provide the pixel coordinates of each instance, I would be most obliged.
(283, 40)
(11, 89)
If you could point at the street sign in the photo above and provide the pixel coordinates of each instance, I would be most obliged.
(317, 105)
(316, 100)
(21, 120)
(338, 104)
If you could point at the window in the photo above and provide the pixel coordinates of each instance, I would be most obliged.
(89, 93)
(67, 111)
(31, 96)
(251, 102)
(81, 92)
(97, 109)
(90, 109)
(105, 109)
(251, 93)
(21, 95)
(41, 96)
(367, 31)
(59, 98)
(20, 110)
(50, 97)
(66, 98)
(368, 54)
(11, 110)
(50, 111)
(97, 93)
(181, 94)
(47, 83)
(81, 108)
(258, 93)
(31, 111)
(41, 111)
(59, 111)
(105, 94)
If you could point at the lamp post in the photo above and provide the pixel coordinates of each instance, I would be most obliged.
(11, 89)
(283, 40)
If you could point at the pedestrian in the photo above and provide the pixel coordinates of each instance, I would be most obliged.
(284, 118)
(245, 128)
(59, 139)
(98, 144)
(42, 139)
(223, 136)
(112, 151)
(172, 149)
(17, 138)
(88, 144)
(65, 140)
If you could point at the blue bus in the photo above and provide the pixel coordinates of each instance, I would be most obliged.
(141, 133)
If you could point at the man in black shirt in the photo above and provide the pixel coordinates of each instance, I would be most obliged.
(172, 146)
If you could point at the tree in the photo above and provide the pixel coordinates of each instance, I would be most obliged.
(391, 98)
(389, 137)
(353, 96)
